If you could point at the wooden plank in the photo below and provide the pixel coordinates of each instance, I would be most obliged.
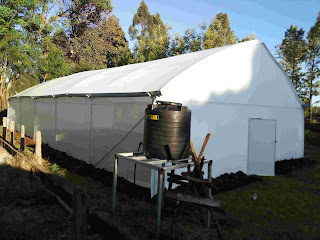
(176, 181)
(203, 147)
(193, 179)
(193, 154)
(194, 199)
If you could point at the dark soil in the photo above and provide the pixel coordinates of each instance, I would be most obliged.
(225, 182)
(288, 166)
(229, 181)
(82, 168)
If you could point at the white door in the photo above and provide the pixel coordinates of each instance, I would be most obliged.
(261, 147)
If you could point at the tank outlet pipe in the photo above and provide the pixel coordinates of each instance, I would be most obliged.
(135, 165)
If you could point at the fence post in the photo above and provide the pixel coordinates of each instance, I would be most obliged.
(22, 138)
(12, 123)
(4, 128)
(79, 215)
(38, 147)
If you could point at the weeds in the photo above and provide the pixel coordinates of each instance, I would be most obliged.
(55, 168)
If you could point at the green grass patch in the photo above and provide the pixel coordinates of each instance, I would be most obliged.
(286, 208)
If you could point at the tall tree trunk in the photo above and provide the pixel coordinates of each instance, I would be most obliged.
(2, 84)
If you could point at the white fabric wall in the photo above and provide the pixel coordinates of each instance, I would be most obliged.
(243, 76)
(69, 123)
(27, 115)
(14, 113)
(118, 125)
(73, 127)
(228, 125)
(45, 119)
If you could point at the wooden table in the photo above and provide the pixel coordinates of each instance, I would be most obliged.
(140, 159)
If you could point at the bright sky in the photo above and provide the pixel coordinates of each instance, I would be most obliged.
(268, 19)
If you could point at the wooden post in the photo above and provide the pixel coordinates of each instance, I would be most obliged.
(4, 128)
(22, 138)
(12, 123)
(79, 215)
(203, 146)
(38, 147)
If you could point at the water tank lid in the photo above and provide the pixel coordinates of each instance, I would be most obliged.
(168, 103)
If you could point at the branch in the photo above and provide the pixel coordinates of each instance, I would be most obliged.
(12, 17)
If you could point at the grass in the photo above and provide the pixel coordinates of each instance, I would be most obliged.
(286, 208)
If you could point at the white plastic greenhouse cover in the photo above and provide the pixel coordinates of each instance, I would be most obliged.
(135, 78)
(92, 115)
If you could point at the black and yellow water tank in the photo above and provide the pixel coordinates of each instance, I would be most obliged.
(167, 131)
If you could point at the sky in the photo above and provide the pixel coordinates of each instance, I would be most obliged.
(268, 19)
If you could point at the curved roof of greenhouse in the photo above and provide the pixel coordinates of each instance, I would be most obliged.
(149, 78)
(134, 78)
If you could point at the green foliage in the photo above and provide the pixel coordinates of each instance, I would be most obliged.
(219, 32)
(83, 14)
(116, 46)
(252, 36)
(100, 47)
(55, 168)
(151, 35)
(292, 53)
(88, 50)
(33, 46)
(313, 60)
(177, 45)
(191, 41)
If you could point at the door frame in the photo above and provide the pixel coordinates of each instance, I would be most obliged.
(275, 142)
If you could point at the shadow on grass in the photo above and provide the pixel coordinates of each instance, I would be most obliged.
(27, 210)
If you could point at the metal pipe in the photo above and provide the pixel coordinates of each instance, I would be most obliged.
(159, 201)
(209, 191)
(210, 176)
(114, 187)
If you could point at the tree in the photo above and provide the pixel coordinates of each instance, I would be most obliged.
(82, 14)
(88, 52)
(312, 63)
(292, 53)
(151, 35)
(51, 64)
(100, 47)
(177, 45)
(251, 36)
(115, 43)
(13, 51)
(219, 32)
